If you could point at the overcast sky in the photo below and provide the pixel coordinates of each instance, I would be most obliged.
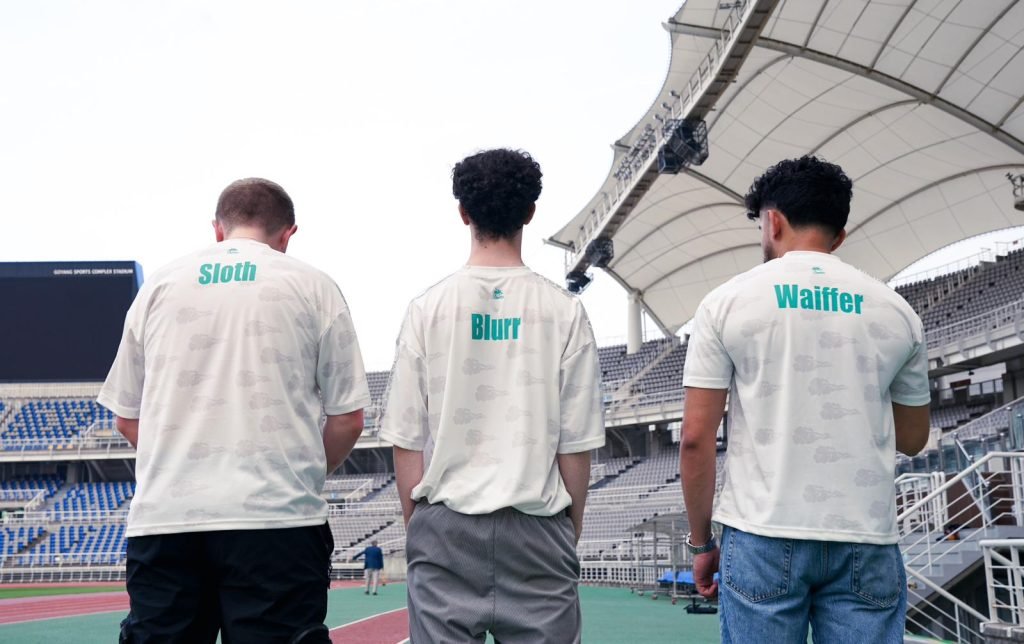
(120, 123)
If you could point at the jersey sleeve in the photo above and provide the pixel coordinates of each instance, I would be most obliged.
(910, 386)
(581, 426)
(405, 421)
(340, 375)
(708, 364)
(122, 390)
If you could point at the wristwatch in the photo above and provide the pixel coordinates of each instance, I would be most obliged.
(699, 550)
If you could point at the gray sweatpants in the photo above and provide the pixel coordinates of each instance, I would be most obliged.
(512, 574)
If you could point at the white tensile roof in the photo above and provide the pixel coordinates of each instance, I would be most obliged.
(920, 102)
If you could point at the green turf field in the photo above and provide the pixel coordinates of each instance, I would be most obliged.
(610, 616)
(11, 593)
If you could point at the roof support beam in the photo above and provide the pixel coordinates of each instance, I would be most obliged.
(640, 297)
(929, 186)
(699, 259)
(909, 89)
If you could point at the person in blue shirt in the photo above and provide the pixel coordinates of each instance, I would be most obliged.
(374, 564)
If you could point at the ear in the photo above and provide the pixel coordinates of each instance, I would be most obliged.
(286, 235)
(218, 230)
(840, 238)
(529, 217)
(776, 224)
(465, 215)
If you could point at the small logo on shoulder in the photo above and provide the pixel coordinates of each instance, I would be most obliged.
(232, 251)
(818, 270)
(498, 294)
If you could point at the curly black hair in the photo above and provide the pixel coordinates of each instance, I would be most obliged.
(497, 188)
(808, 191)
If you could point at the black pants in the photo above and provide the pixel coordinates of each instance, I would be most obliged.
(253, 586)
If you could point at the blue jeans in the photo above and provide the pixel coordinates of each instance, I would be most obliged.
(771, 589)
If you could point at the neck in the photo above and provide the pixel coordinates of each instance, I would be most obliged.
(248, 232)
(496, 252)
(812, 242)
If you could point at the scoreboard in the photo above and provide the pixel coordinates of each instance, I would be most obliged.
(62, 321)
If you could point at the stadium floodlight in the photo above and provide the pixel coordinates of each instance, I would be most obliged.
(686, 145)
(600, 252)
(1018, 190)
(577, 281)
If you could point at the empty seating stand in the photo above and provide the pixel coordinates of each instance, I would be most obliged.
(51, 423)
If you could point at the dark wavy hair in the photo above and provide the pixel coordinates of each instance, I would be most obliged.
(496, 188)
(258, 202)
(808, 191)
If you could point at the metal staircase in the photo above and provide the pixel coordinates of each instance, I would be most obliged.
(942, 522)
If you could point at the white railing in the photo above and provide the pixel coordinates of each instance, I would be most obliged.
(982, 324)
(62, 567)
(912, 488)
(1004, 576)
(644, 149)
(45, 517)
(29, 496)
(933, 525)
(347, 489)
(77, 445)
(369, 508)
(984, 255)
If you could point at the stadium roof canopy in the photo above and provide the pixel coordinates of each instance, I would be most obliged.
(920, 101)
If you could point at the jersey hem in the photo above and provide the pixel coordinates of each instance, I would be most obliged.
(581, 446)
(400, 441)
(234, 524)
(706, 383)
(808, 534)
(119, 410)
(362, 403)
(913, 401)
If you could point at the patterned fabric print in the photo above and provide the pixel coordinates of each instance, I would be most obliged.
(814, 353)
(227, 358)
(495, 373)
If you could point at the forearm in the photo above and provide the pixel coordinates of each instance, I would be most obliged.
(702, 415)
(408, 474)
(697, 469)
(129, 428)
(575, 471)
(340, 436)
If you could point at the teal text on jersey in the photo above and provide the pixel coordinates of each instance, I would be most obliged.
(223, 273)
(820, 298)
(484, 327)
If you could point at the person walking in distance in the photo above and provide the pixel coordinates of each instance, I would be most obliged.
(826, 371)
(229, 357)
(372, 566)
(493, 407)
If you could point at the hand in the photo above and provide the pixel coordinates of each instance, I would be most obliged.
(705, 566)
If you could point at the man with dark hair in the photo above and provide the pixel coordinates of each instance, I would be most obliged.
(229, 357)
(826, 371)
(493, 407)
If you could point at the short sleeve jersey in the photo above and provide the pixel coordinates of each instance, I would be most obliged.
(496, 373)
(814, 353)
(228, 359)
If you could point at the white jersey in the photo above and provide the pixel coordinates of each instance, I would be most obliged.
(814, 353)
(226, 356)
(496, 373)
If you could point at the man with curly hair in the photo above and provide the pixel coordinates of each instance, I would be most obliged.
(493, 407)
(826, 370)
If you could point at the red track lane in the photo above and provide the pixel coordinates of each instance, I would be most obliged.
(27, 609)
(389, 628)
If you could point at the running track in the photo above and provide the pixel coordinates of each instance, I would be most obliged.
(390, 627)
